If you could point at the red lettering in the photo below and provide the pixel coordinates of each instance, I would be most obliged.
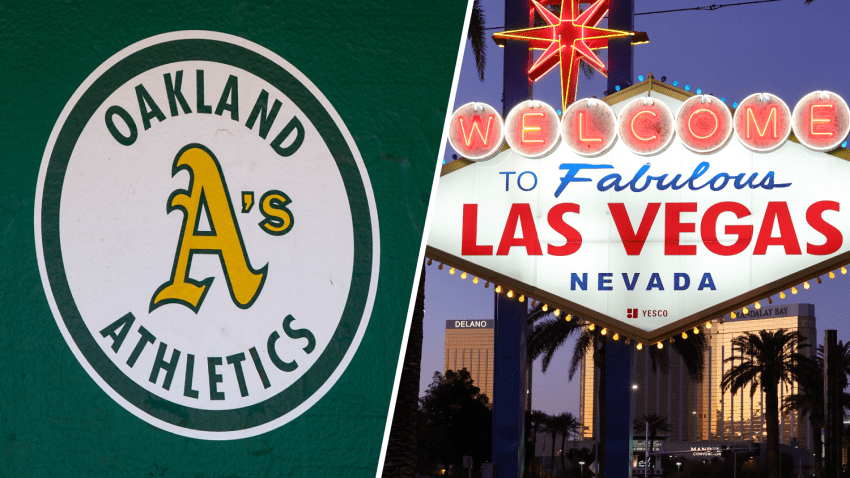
(762, 131)
(477, 122)
(814, 217)
(469, 237)
(520, 213)
(573, 237)
(777, 212)
(633, 241)
(708, 229)
(673, 227)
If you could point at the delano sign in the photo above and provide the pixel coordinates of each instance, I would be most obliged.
(647, 217)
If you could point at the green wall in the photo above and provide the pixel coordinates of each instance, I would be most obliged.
(386, 67)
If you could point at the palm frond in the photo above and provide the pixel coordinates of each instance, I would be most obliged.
(476, 34)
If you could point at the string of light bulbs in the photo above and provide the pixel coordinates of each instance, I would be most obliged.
(616, 336)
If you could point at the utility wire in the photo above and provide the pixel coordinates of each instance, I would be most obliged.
(705, 7)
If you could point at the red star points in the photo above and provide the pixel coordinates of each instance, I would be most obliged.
(566, 41)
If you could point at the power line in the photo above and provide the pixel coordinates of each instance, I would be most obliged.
(705, 8)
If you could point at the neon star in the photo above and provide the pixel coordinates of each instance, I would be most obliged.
(568, 40)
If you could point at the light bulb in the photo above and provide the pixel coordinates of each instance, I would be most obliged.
(843, 270)
(545, 307)
(733, 315)
(557, 312)
(781, 295)
(793, 290)
(440, 267)
(592, 327)
(522, 298)
(831, 275)
(769, 300)
(684, 335)
(806, 285)
(628, 341)
(604, 332)
(569, 317)
(452, 271)
(758, 306)
(463, 275)
(616, 336)
(487, 285)
(510, 294)
(745, 311)
(475, 280)
(696, 330)
(498, 289)
(639, 346)
(660, 345)
(819, 280)
(708, 325)
(430, 261)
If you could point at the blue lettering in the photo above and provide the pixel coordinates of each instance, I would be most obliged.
(767, 182)
(507, 178)
(716, 183)
(655, 282)
(605, 281)
(706, 282)
(519, 181)
(615, 183)
(573, 169)
(630, 285)
(747, 183)
(699, 171)
(725, 178)
(681, 286)
(575, 280)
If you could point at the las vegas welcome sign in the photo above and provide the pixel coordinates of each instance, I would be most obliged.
(651, 211)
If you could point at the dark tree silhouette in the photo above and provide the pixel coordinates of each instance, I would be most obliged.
(767, 360)
(400, 459)
(657, 423)
(455, 420)
(477, 36)
(550, 333)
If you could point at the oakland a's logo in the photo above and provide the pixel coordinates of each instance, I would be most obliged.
(207, 235)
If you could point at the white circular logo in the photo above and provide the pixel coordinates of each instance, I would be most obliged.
(206, 235)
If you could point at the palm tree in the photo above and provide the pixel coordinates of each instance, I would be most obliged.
(537, 422)
(567, 425)
(550, 333)
(808, 401)
(656, 423)
(767, 359)
(476, 34)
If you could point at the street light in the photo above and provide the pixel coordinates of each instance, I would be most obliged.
(634, 386)
(679, 467)
(646, 445)
(582, 468)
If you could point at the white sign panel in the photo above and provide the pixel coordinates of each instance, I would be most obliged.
(647, 245)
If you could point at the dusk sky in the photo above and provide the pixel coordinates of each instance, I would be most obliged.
(785, 47)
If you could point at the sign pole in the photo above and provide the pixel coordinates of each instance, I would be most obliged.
(617, 442)
(510, 384)
(510, 387)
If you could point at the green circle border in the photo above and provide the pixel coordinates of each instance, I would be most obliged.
(157, 407)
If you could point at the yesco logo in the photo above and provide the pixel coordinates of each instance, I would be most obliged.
(206, 235)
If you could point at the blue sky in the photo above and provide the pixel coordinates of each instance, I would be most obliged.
(786, 48)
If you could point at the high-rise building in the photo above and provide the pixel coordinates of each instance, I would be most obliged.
(469, 344)
(702, 411)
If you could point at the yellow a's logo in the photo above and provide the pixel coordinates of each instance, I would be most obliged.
(207, 193)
